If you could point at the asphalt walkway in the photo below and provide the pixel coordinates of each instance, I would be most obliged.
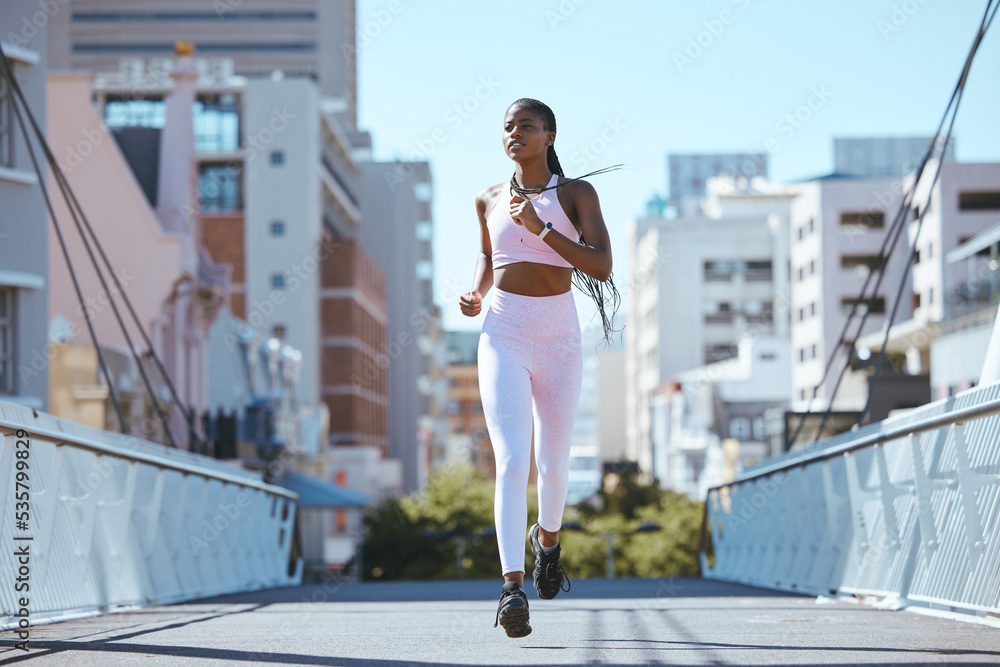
(599, 622)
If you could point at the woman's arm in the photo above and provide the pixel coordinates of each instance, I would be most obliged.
(472, 302)
(594, 259)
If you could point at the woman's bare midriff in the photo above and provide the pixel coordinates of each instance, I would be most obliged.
(531, 279)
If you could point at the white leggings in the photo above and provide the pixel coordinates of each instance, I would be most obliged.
(530, 367)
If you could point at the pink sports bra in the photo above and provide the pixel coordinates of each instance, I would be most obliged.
(513, 243)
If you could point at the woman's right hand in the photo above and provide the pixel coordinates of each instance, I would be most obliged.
(471, 303)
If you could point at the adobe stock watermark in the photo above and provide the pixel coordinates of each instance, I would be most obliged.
(562, 12)
(453, 117)
(371, 28)
(899, 17)
(700, 42)
(419, 322)
(30, 26)
(262, 310)
(751, 503)
(227, 515)
(611, 131)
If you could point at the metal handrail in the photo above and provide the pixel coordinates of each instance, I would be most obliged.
(143, 457)
(931, 423)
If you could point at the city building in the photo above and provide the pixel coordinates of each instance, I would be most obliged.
(838, 225)
(687, 175)
(175, 288)
(305, 38)
(24, 225)
(699, 284)
(953, 277)
(882, 157)
(468, 438)
(711, 422)
(398, 234)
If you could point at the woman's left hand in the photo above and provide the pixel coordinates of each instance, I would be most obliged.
(525, 215)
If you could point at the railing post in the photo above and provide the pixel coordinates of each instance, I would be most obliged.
(923, 488)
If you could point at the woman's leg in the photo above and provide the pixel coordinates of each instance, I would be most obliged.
(555, 388)
(505, 387)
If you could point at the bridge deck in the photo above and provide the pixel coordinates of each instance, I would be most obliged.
(633, 621)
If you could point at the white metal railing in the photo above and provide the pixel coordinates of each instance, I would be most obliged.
(906, 509)
(110, 522)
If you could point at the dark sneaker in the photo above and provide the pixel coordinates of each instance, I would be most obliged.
(548, 573)
(512, 613)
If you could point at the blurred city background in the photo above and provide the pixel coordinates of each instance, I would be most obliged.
(279, 196)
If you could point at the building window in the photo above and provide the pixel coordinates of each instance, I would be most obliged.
(6, 128)
(802, 394)
(802, 314)
(802, 233)
(812, 351)
(739, 428)
(714, 353)
(277, 158)
(6, 340)
(220, 187)
(277, 281)
(866, 219)
(424, 230)
(802, 354)
(812, 267)
(759, 428)
(422, 192)
(930, 297)
(979, 201)
(126, 111)
(216, 123)
(916, 300)
(847, 302)
(722, 271)
(801, 273)
(812, 309)
(859, 262)
(277, 228)
(812, 225)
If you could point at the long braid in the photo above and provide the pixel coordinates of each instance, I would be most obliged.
(593, 287)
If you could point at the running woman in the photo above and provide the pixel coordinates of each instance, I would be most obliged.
(540, 233)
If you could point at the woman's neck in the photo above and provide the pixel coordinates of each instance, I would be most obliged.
(533, 175)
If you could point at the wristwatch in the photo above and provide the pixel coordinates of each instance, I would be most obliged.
(545, 230)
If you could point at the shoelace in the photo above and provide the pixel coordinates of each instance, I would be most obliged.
(500, 606)
(559, 572)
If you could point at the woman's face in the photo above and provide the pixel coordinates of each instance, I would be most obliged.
(524, 134)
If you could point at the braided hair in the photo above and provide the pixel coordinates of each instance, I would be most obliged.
(604, 294)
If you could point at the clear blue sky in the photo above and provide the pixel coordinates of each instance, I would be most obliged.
(610, 67)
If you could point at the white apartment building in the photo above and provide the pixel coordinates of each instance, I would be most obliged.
(954, 276)
(709, 422)
(964, 202)
(24, 224)
(837, 227)
(699, 283)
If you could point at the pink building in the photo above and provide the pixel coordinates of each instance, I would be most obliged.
(174, 285)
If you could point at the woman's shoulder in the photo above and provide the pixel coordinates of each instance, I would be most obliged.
(488, 196)
(572, 191)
